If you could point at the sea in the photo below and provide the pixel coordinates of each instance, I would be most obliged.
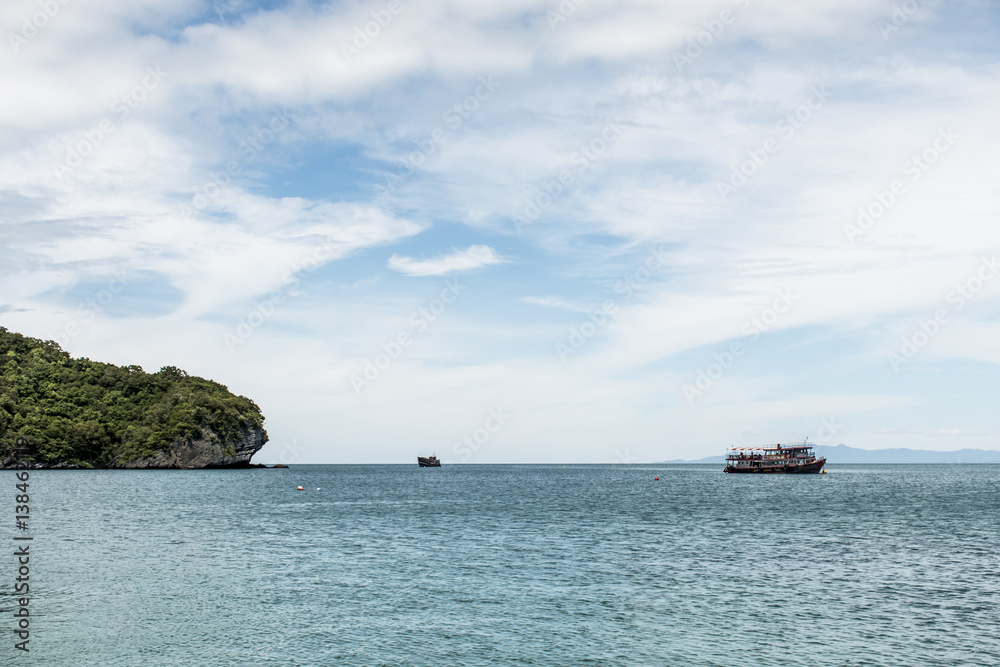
(508, 565)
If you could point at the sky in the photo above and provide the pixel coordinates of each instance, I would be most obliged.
(518, 232)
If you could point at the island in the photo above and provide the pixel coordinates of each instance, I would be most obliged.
(61, 412)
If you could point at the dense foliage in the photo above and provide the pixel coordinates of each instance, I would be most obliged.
(87, 413)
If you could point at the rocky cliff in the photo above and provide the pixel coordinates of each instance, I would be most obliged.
(208, 451)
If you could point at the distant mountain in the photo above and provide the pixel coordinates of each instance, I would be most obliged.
(707, 459)
(844, 454)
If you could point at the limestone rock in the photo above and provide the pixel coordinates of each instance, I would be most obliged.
(209, 451)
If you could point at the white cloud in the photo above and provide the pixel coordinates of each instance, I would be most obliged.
(473, 257)
(683, 131)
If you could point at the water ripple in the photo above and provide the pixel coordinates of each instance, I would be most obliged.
(516, 565)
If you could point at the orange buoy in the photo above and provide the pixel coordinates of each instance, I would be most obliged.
(299, 488)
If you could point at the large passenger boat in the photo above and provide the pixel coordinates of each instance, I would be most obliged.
(794, 458)
(428, 462)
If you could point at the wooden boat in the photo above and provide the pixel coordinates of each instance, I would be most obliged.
(428, 462)
(795, 458)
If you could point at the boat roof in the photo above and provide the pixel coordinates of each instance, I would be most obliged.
(776, 448)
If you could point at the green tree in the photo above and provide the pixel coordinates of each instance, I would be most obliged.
(89, 413)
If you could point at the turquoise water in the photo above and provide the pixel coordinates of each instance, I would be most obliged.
(511, 565)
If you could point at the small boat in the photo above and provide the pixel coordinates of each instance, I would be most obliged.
(794, 458)
(428, 462)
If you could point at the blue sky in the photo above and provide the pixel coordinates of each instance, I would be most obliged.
(637, 230)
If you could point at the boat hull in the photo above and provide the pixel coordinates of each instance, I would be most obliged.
(801, 468)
